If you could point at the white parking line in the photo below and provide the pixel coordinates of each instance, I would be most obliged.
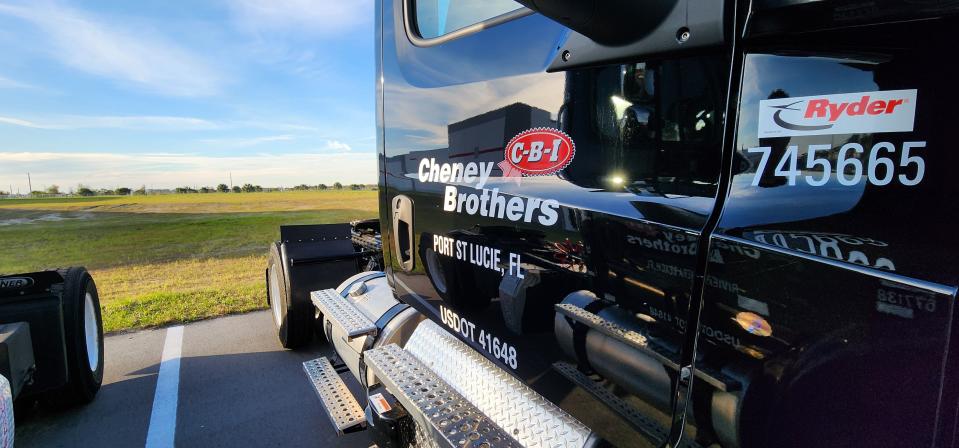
(162, 428)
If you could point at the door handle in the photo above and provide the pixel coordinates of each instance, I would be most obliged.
(403, 231)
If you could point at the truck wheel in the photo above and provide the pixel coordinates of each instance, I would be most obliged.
(294, 329)
(83, 330)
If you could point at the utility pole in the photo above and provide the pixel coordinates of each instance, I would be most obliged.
(29, 183)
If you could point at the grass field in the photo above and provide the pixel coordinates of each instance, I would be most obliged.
(166, 258)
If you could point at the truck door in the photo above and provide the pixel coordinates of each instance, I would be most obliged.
(830, 288)
(578, 281)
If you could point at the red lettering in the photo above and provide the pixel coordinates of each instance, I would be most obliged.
(816, 108)
(892, 105)
(819, 108)
(835, 110)
(877, 107)
(859, 107)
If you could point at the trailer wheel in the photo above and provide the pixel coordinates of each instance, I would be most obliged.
(294, 329)
(83, 330)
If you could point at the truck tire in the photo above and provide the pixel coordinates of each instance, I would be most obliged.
(83, 331)
(294, 329)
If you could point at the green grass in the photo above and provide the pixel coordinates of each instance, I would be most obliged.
(203, 203)
(165, 307)
(159, 260)
(144, 295)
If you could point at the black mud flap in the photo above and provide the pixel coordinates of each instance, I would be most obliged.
(312, 258)
(317, 257)
(34, 299)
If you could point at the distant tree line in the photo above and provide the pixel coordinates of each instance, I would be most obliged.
(336, 186)
(83, 190)
(221, 188)
(250, 188)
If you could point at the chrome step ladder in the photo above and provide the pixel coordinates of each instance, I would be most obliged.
(440, 409)
(341, 407)
(455, 395)
(332, 305)
(494, 402)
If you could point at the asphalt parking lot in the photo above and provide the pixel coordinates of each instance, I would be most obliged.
(235, 386)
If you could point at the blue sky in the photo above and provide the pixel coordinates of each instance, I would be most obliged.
(169, 93)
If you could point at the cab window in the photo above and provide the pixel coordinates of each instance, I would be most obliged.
(435, 18)
(648, 127)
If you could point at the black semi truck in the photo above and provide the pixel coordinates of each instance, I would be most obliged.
(716, 223)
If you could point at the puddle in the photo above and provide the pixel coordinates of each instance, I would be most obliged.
(49, 217)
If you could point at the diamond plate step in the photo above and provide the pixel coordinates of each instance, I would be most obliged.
(339, 403)
(436, 405)
(341, 310)
(640, 342)
(527, 416)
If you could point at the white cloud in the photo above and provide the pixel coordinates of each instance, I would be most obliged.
(336, 145)
(171, 170)
(23, 123)
(301, 16)
(134, 122)
(118, 51)
(154, 122)
(7, 83)
(145, 122)
(275, 126)
(247, 142)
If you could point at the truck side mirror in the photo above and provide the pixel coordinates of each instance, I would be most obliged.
(607, 22)
(614, 30)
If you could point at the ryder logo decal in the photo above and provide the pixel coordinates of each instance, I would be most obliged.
(847, 113)
(538, 152)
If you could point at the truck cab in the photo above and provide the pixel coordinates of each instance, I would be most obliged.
(677, 223)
